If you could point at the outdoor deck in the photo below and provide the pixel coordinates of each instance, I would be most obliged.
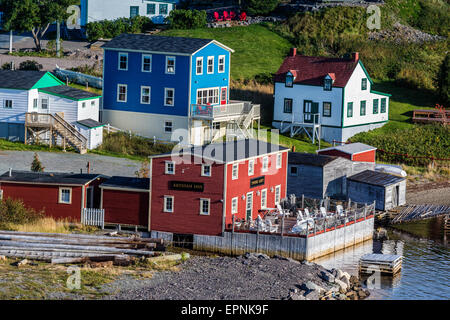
(431, 116)
(233, 110)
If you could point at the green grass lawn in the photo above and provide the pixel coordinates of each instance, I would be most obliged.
(257, 49)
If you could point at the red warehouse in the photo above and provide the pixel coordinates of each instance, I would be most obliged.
(353, 151)
(59, 195)
(126, 201)
(197, 190)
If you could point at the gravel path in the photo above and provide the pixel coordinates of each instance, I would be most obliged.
(68, 162)
(220, 278)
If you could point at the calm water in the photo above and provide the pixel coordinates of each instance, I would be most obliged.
(425, 271)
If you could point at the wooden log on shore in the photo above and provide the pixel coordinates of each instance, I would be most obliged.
(122, 260)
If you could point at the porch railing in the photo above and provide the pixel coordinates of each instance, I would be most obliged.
(237, 108)
(93, 217)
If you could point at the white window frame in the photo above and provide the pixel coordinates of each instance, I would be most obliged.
(42, 103)
(118, 92)
(60, 200)
(277, 190)
(83, 104)
(210, 58)
(92, 103)
(149, 94)
(151, 62)
(201, 206)
(5, 103)
(35, 103)
(196, 66)
(122, 54)
(215, 97)
(166, 126)
(165, 97)
(174, 64)
(166, 167)
(251, 164)
(203, 170)
(221, 64)
(264, 203)
(265, 164)
(235, 176)
(165, 203)
(279, 160)
(234, 205)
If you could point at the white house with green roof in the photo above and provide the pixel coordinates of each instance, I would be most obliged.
(35, 99)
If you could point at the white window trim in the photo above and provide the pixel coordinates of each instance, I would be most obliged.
(207, 65)
(263, 162)
(219, 64)
(196, 66)
(151, 62)
(215, 89)
(252, 166)
(246, 204)
(279, 160)
(203, 172)
(174, 64)
(60, 195)
(120, 55)
(263, 205)
(165, 97)
(48, 103)
(166, 171)
(4, 103)
(201, 206)
(235, 177)
(234, 209)
(166, 126)
(149, 94)
(118, 92)
(35, 103)
(165, 203)
(278, 187)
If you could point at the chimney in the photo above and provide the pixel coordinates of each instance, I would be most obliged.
(355, 56)
(293, 52)
(10, 172)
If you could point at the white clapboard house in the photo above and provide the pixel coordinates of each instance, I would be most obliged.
(37, 106)
(330, 97)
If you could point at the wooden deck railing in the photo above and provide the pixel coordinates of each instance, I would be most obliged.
(431, 116)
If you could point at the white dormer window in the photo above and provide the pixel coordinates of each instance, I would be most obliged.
(221, 64)
(199, 66)
(123, 61)
(327, 83)
(170, 65)
(289, 80)
(210, 65)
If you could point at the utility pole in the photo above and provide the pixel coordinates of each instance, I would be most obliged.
(10, 41)
(58, 36)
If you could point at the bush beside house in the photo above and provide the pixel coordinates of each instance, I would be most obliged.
(187, 19)
(107, 29)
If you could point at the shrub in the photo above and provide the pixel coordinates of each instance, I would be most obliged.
(30, 65)
(6, 66)
(444, 80)
(187, 19)
(15, 212)
(260, 7)
(112, 28)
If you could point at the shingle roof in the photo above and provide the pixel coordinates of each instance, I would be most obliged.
(69, 92)
(351, 148)
(127, 183)
(229, 151)
(90, 123)
(144, 42)
(19, 79)
(309, 159)
(375, 178)
(312, 70)
(49, 177)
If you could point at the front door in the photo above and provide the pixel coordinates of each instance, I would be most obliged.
(249, 206)
(134, 11)
(223, 96)
(90, 197)
(309, 109)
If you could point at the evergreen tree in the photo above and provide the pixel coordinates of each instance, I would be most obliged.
(36, 165)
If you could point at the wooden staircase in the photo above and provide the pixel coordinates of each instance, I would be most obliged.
(41, 123)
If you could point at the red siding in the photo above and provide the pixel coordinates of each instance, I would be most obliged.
(368, 156)
(186, 217)
(45, 197)
(241, 186)
(125, 207)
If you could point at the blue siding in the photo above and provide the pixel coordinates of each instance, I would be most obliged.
(157, 79)
(210, 80)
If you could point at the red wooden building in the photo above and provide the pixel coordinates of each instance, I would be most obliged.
(354, 151)
(126, 201)
(197, 190)
(59, 195)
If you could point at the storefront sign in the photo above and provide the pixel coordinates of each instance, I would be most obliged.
(257, 182)
(186, 186)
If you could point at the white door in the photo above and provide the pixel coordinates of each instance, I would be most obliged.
(198, 133)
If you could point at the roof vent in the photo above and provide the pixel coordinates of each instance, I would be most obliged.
(10, 172)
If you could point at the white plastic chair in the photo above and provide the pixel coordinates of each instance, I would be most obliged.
(307, 215)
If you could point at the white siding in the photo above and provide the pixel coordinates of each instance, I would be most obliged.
(94, 135)
(88, 112)
(20, 105)
(58, 104)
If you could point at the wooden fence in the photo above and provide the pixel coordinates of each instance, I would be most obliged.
(93, 217)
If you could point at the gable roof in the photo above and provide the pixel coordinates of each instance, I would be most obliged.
(312, 70)
(375, 178)
(351, 148)
(154, 43)
(127, 183)
(18, 176)
(26, 80)
(310, 159)
(69, 92)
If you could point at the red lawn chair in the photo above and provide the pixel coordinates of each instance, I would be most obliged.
(243, 16)
(226, 16)
(217, 16)
(232, 15)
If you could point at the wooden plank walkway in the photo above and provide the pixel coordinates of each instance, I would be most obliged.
(418, 212)
(385, 263)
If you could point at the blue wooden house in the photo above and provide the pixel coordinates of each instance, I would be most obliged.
(154, 85)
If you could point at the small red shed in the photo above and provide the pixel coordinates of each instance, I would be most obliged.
(126, 201)
(354, 151)
(59, 195)
(199, 189)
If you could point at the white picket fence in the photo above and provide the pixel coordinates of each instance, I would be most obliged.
(93, 217)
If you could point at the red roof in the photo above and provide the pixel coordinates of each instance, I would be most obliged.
(312, 70)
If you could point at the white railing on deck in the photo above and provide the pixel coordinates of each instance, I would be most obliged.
(93, 217)
(231, 109)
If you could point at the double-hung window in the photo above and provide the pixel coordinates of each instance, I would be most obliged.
(151, 8)
(170, 65)
(277, 194)
(279, 160)
(221, 64)
(364, 84)
(349, 109)
(146, 63)
(375, 106)
(44, 103)
(123, 61)
(170, 167)
(264, 199)
(35, 103)
(383, 105)
(8, 104)
(205, 206)
(163, 9)
(363, 108)
(210, 65)
(206, 170)
(145, 94)
(235, 172)
(199, 66)
(234, 205)
(327, 109)
(65, 195)
(169, 97)
(265, 164)
(287, 105)
(121, 93)
(168, 126)
(168, 203)
(251, 167)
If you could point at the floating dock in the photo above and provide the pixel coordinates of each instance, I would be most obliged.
(389, 264)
